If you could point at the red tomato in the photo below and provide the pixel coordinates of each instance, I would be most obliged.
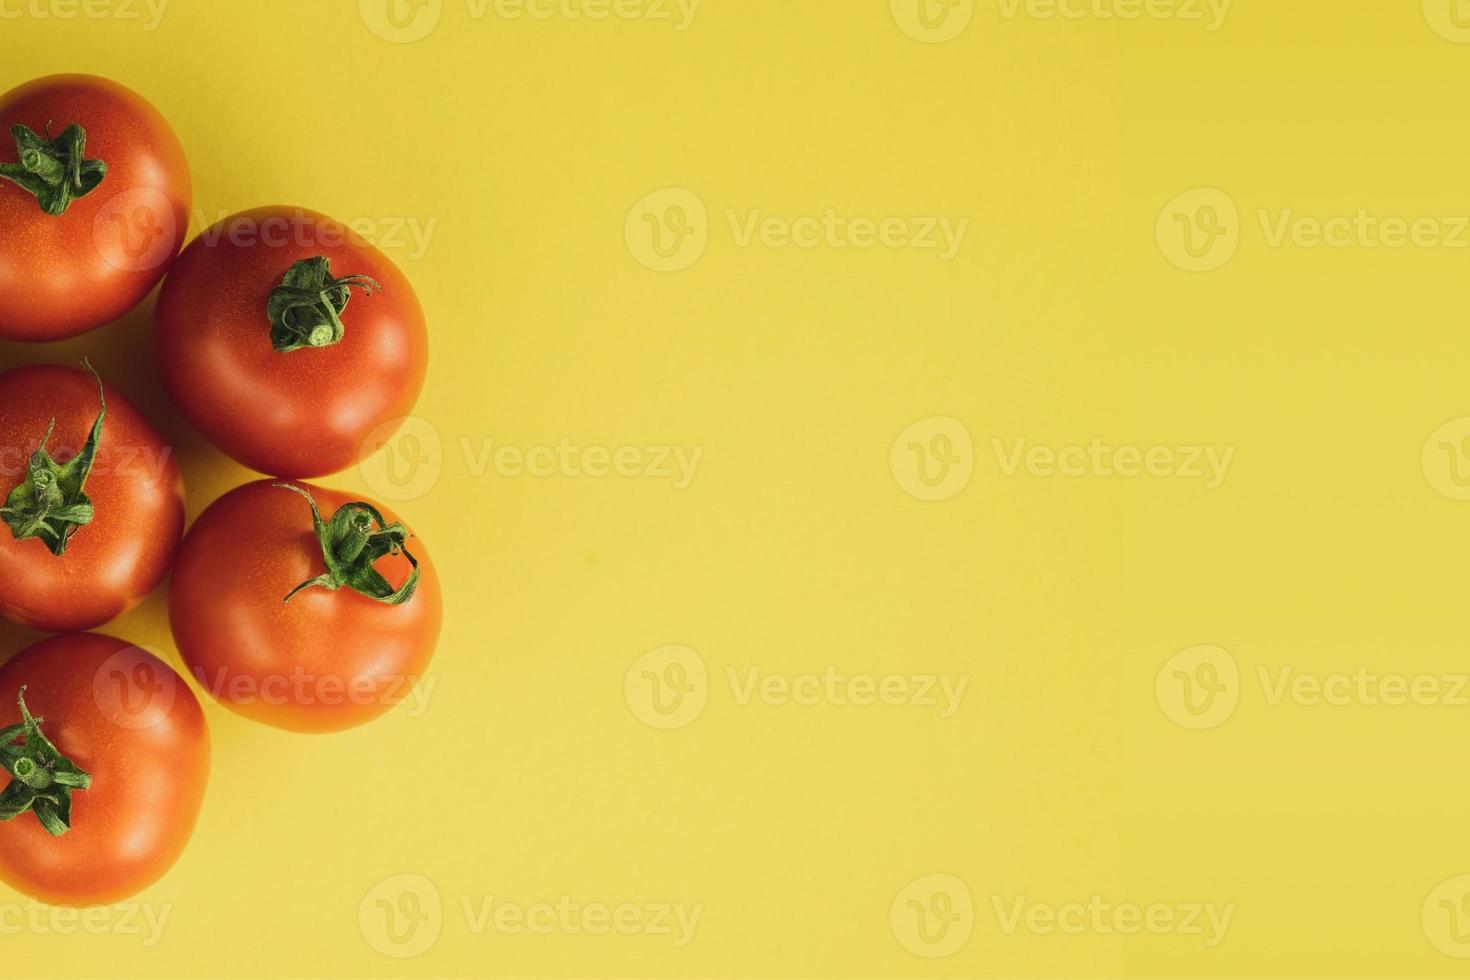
(66, 273)
(327, 659)
(134, 729)
(136, 497)
(238, 326)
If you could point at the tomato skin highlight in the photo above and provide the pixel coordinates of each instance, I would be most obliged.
(129, 720)
(325, 661)
(66, 274)
(308, 412)
(112, 563)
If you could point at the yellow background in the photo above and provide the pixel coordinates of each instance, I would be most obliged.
(797, 546)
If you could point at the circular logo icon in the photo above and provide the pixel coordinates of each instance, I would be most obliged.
(1449, 19)
(1199, 687)
(401, 916)
(667, 231)
(667, 687)
(1446, 459)
(135, 231)
(934, 458)
(933, 916)
(1446, 917)
(1199, 230)
(933, 21)
(134, 688)
(402, 458)
(400, 21)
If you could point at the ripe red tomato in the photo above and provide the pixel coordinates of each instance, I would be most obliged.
(264, 626)
(74, 557)
(288, 340)
(116, 183)
(127, 740)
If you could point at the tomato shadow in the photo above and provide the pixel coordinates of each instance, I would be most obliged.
(14, 639)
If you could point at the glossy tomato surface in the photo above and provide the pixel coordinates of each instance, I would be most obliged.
(127, 719)
(305, 412)
(137, 495)
(61, 275)
(325, 661)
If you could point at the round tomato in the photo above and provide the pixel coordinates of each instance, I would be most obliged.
(94, 204)
(289, 341)
(302, 607)
(106, 774)
(93, 501)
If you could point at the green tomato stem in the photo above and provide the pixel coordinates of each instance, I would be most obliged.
(56, 171)
(43, 778)
(305, 310)
(51, 502)
(352, 541)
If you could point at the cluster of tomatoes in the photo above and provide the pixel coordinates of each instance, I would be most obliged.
(289, 342)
